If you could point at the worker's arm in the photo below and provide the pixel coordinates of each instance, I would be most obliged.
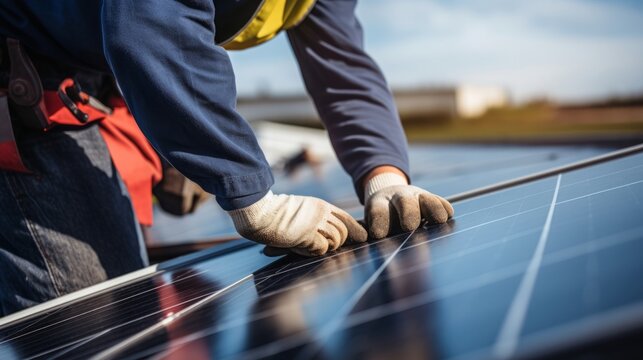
(180, 88)
(349, 91)
(357, 107)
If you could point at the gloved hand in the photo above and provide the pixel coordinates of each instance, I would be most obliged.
(177, 194)
(306, 225)
(390, 201)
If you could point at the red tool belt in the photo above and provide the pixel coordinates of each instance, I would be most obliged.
(37, 110)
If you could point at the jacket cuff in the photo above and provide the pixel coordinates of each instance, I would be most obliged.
(229, 204)
(236, 192)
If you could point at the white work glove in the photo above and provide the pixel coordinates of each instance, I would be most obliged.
(306, 225)
(389, 200)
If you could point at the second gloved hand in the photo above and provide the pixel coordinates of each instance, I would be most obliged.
(306, 225)
(389, 201)
(177, 194)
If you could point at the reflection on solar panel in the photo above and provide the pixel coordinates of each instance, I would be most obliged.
(549, 267)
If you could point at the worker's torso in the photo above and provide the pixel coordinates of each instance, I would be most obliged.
(68, 32)
(62, 32)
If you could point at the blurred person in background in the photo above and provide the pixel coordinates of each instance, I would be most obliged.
(67, 219)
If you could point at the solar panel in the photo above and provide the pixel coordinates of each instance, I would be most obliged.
(553, 265)
(104, 319)
(444, 169)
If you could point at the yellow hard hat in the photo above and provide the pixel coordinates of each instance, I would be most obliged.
(252, 22)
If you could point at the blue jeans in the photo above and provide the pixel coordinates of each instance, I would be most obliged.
(67, 226)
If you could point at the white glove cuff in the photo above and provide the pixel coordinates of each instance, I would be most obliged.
(382, 181)
(245, 217)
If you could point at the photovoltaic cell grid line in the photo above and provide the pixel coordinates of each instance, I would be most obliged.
(564, 227)
(445, 292)
(108, 318)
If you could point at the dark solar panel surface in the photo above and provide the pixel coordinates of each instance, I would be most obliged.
(526, 270)
(99, 321)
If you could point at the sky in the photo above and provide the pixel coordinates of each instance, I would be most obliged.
(565, 50)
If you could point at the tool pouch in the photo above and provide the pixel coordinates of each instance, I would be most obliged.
(34, 109)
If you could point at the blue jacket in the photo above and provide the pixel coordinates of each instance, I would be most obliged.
(181, 89)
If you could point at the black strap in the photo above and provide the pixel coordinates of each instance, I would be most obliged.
(25, 89)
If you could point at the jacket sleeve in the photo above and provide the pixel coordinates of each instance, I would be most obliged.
(349, 90)
(180, 88)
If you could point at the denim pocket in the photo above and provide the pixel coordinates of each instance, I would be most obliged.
(73, 211)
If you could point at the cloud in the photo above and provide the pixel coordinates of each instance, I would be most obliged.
(563, 49)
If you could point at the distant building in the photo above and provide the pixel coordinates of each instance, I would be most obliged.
(474, 100)
(464, 101)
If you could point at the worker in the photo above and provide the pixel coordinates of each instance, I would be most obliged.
(66, 217)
